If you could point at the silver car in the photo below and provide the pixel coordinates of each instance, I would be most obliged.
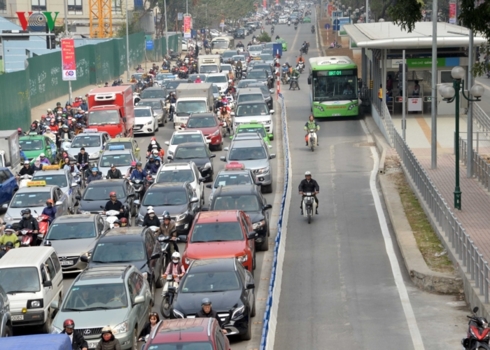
(158, 106)
(120, 158)
(64, 180)
(234, 174)
(114, 296)
(93, 142)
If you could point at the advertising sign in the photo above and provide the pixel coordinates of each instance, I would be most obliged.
(187, 26)
(342, 22)
(68, 61)
(330, 9)
(452, 12)
(264, 4)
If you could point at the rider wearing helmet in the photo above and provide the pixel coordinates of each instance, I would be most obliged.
(115, 204)
(131, 168)
(108, 341)
(124, 222)
(9, 237)
(153, 164)
(114, 173)
(139, 173)
(116, 224)
(26, 169)
(76, 338)
(208, 312)
(28, 222)
(94, 175)
(50, 210)
(308, 185)
(175, 268)
(151, 219)
(169, 229)
(154, 142)
(19, 132)
(311, 124)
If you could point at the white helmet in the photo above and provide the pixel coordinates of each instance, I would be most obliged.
(307, 173)
(153, 142)
(42, 155)
(176, 255)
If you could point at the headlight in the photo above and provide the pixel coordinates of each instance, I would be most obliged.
(149, 123)
(238, 312)
(181, 216)
(267, 122)
(94, 155)
(88, 254)
(120, 328)
(178, 314)
(188, 261)
(55, 330)
(263, 170)
(170, 152)
(8, 217)
(243, 258)
(258, 224)
(35, 304)
(207, 165)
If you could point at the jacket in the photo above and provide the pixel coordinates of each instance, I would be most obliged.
(168, 230)
(10, 238)
(117, 205)
(50, 211)
(152, 167)
(78, 341)
(82, 158)
(114, 174)
(212, 314)
(147, 222)
(175, 269)
(312, 125)
(308, 186)
(138, 175)
(30, 224)
(26, 171)
(91, 177)
(112, 344)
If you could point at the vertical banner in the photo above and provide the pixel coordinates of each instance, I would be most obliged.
(187, 26)
(264, 4)
(68, 61)
(452, 12)
(329, 9)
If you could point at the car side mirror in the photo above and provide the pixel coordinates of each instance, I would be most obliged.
(155, 256)
(182, 238)
(5, 206)
(272, 156)
(272, 111)
(54, 304)
(309, 80)
(47, 284)
(140, 299)
(202, 179)
(74, 184)
(194, 200)
(136, 202)
(208, 185)
(252, 235)
(167, 143)
(131, 195)
(250, 286)
(267, 206)
(84, 258)
(78, 198)
(170, 157)
(222, 158)
(226, 149)
(232, 114)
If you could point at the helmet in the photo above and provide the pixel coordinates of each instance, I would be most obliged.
(106, 329)
(112, 194)
(42, 155)
(307, 173)
(133, 163)
(48, 128)
(166, 215)
(49, 110)
(124, 221)
(9, 245)
(175, 255)
(139, 164)
(153, 142)
(153, 138)
(26, 162)
(9, 228)
(206, 301)
(19, 129)
(69, 323)
(117, 222)
(150, 211)
(65, 126)
(25, 211)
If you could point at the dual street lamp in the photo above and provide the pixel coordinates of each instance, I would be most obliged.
(450, 94)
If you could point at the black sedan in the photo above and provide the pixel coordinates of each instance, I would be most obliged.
(261, 75)
(96, 195)
(249, 199)
(197, 153)
(228, 285)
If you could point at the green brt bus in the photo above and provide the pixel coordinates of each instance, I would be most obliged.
(333, 81)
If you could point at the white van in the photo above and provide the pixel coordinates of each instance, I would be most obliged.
(32, 279)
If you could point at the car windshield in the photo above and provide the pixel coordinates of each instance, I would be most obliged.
(154, 104)
(249, 97)
(172, 84)
(30, 199)
(116, 159)
(252, 109)
(260, 130)
(119, 252)
(56, 180)
(184, 138)
(99, 193)
(126, 145)
(215, 89)
(257, 74)
(164, 76)
(239, 58)
(225, 179)
(85, 141)
(246, 202)
(183, 346)
(153, 93)
(31, 145)
(205, 282)
(201, 122)
(71, 230)
(20, 280)
(191, 107)
(216, 79)
(96, 296)
(247, 153)
(159, 198)
(255, 48)
(190, 152)
(266, 57)
(207, 68)
(103, 117)
(183, 175)
(220, 44)
(142, 112)
(228, 54)
(245, 82)
(217, 231)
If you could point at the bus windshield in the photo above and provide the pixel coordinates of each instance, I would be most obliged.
(220, 44)
(327, 87)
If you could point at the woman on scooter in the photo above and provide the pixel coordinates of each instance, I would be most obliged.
(50, 210)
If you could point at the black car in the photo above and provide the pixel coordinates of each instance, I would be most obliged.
(96, 195)
(179, 199)
(266, 92)
(240, 33)
(249, 199)
(197, 153)
(228, 285)
(154, 92)
(261, 75)
(171, 85)
(131, 246)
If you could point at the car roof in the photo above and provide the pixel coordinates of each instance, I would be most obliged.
(217, 216)
(26, 137)
(251, 102)
(202, 115)
(128, 233)
(236, 190)
(251, 125)
(148, 99)
(191, 144)
(249, 90)
(247, 143)
(183, 330)
(166, 185)
(27, 256)
(176, 166)
(142, 107)
(76, 218)
(51, 172)
(119, 151)
(102, 183)
(120, 139)
(153, 88)
(108, 272)
(212, 265)
(176, 132)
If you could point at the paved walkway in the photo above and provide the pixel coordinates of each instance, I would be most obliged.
(475, 199)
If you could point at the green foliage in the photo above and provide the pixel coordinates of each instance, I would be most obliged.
(264, 37)
(406, 13)
(133, 27)
(475, 18)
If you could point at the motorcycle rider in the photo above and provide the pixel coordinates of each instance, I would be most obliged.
(198, 80)
(240, 45)
(308, 185)
(208, 312)
(115, 204)
(44, 160)
(139, 173)
(50, 210)
(94, 175)
(65, 133)
(153, 165)
(131, 168)
(29, 223)
(76, 338)
(70, 167)
(169, 229)
(22, 155)
(311, 124)
(50, 134)
(26, 169)
(300, 59)
(82, 159)
(175, 268)
(294, 73)
(151, 219)
(8, 236)
(114, 173)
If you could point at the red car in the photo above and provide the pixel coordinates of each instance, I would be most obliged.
(210, 126)
(221, 234)
(188, 333)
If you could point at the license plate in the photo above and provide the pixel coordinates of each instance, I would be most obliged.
(336, 115)
(66, 262)
(17, 317)
(93, 345)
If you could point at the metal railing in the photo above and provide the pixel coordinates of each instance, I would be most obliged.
(466, 252)
(481, 167)
(481, 118)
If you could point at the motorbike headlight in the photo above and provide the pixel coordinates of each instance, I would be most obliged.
(55, 330)
(94, 155)
(178, 314)
(259, 224)
(238, 312)
(207, 165)
(243, 258)
(181, 217)
(121, 328)
(263, 170)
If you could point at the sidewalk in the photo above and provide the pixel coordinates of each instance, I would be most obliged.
(475, 199)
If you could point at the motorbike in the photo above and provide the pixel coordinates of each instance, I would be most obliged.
(27, 238)
(478, 333)
(289, 23)
(43, 221)
(238, 73)
(294, 83)
(168, 294)
(183, 72)
(139, 187)
(272, 30)
(309, 205)
(312, 29)
(300, 67)
(110, 216)
(295, 27)
(312, 139)
(285, 77)
(23, 180)
(150, 179)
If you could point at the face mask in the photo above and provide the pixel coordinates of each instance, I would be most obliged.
(175, 261)
(152, 216)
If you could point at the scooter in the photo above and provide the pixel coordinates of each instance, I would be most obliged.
(43, 222)
(295, 27)
(312, 139)
(294, 83)
(478, 333)
(312, 29)
(139, 187)
(110, 216)
(23, 180)
(289, 23)
(300, 67)
(309, 205)
(168, 294)
(26, 240)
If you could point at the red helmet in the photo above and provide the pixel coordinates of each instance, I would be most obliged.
(112, 194)
(69, 323)
(124, 221)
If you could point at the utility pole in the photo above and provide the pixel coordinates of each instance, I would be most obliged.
(127, 42)
(433, 139)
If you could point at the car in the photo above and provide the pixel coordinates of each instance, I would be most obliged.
(74, 236)
(240, 33)
(267, 66)
(254, 112)
(221, 234)
(262, 75)
(283, 43)
(116, 155)
(226, 67)
(210, 127)
(253, 128)
(199, 154)
(267, 93)
(128, 143)
(283, 20)
(306, 19)
(266, 57)
(34, 145)
(249, 94)
(218, 79)
(179, 199)
(154, 93)
(158, 106)
(92, 140)
(249, 199)
(114, 296)
(34, 197)
(161, 78)
(242, 59)
(245, 82)
(6, 329)
(8, 185)
(53, 175)
(229, 286)
(227, 56)
(255, 50)
(233, 174)
(171, 85)
(214, 33)
(216, 93)
(96, 195)
(254, 154)
(145, 120)
(184, 136)
(182, 172)
(130, 246)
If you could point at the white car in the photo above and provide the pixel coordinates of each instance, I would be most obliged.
(255, 50)
(214, 33)
(283, 20)
(218, 79)
(184, 44)
(184, 136)
(145, 120)
(182, 172)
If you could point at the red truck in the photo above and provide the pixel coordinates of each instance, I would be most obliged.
(111, 109)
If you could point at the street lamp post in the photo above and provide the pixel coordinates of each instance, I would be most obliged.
(450, 94)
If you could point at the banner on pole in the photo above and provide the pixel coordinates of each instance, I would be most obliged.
(187, 26)
(68, 61)
(452, 12)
